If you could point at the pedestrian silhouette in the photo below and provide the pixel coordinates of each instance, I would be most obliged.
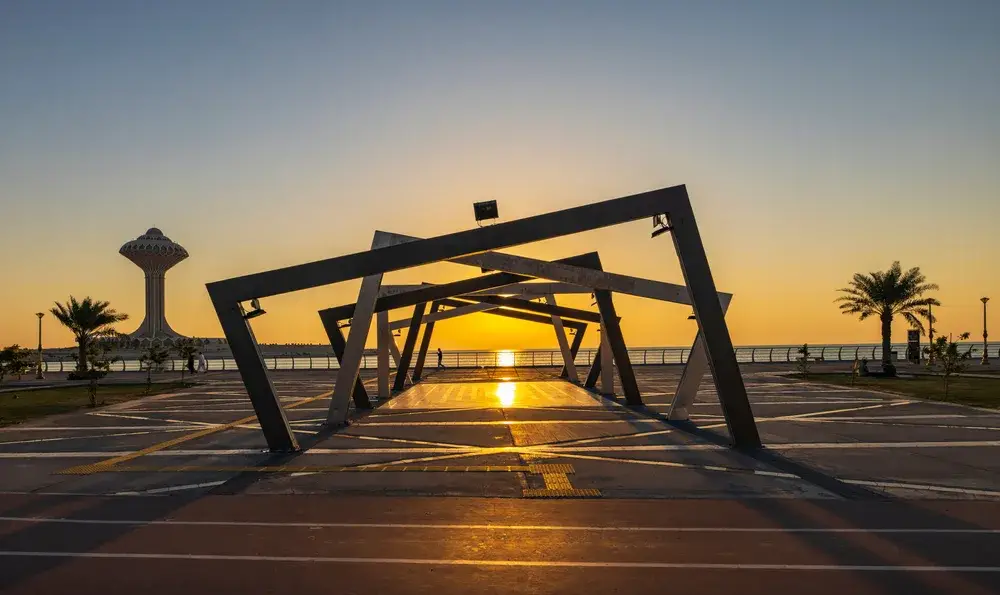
(440, 358)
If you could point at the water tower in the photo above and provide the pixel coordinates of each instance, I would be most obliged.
(154, 253)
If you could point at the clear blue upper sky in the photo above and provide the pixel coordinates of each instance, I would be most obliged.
(260, 134)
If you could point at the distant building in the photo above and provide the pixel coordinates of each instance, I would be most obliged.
(155, 254)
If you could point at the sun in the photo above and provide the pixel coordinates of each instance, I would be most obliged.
(505, 359)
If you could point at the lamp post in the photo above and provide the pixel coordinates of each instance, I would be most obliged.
(986, 346)
(38, 372)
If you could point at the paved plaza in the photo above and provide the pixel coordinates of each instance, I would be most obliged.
(529, 477)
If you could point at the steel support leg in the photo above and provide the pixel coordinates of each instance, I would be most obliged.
(253, 371)
(338, 342)
(607, 364)
(595, 368)
(694, 371)
(613, 335)
(384, 337)
(712, 323)
(568, 364)
(574, 349)
(411, 342)
(425, 343)
(350, 366)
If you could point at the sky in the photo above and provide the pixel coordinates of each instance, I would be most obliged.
(816, 140)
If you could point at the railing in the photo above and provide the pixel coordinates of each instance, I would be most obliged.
(537, 358)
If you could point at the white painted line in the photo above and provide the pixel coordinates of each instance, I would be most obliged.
(143, 433)
(924, 487)
(900, 417)
(498, 527)
(810, 402)
(503, 563)
(190, 426)
(853, 445)
(190, 486)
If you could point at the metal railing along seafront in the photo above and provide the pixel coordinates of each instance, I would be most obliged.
(536, 358)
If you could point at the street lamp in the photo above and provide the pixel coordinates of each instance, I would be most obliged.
(986, 346)
(38, 371)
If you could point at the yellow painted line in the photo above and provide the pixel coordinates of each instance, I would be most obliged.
(106, 464)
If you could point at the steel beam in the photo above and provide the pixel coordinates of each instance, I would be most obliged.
(339, 343)
(595, 367)
(383, 338)
(708, 311)
(425, 343)
(574, 350)
(694, 371)
(411, 341)
(253, 372)
(447, 247)
(615, 340)
(350, 365)
(523, 304)
(607, 364)
(565, 271)
(429, 293)
(439, 315)
(568, 364)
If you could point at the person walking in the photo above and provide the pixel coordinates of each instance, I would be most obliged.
(202, 362)
(440, 358)
(191, 363)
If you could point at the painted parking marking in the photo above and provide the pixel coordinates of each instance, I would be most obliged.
(94, 468)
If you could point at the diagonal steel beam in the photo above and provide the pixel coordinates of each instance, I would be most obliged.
(522, 304)
(616, 342)
(694, 371)
(569, 366)
(350, 365)
(411, 341)
(430, 293)
(425, 343)
(712, 323)
(439, 315)
(574, 350)
(339, 343)
(447, 247)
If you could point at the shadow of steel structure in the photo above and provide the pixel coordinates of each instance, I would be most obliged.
(669, 205)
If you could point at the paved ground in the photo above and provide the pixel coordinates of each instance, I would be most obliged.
(836, 458)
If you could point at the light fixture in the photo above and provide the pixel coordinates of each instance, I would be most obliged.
(255, 311)
(345, 324)
(692, 316)
(485, 210)
(659, 226)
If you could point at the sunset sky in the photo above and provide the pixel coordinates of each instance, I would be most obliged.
(816, 139)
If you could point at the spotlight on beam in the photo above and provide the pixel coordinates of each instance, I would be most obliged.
(692, 316)
(345, 324)
(255, 311)
(659, 226)
(485, 211)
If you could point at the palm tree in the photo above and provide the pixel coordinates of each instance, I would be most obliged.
(88, 320)
(886, 294)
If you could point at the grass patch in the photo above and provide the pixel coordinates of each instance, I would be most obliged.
(980, 392)
(39, 403)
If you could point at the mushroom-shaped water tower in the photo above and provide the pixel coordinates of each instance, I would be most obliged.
(154, 253)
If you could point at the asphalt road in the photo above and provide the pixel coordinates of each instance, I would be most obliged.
(280, 544)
